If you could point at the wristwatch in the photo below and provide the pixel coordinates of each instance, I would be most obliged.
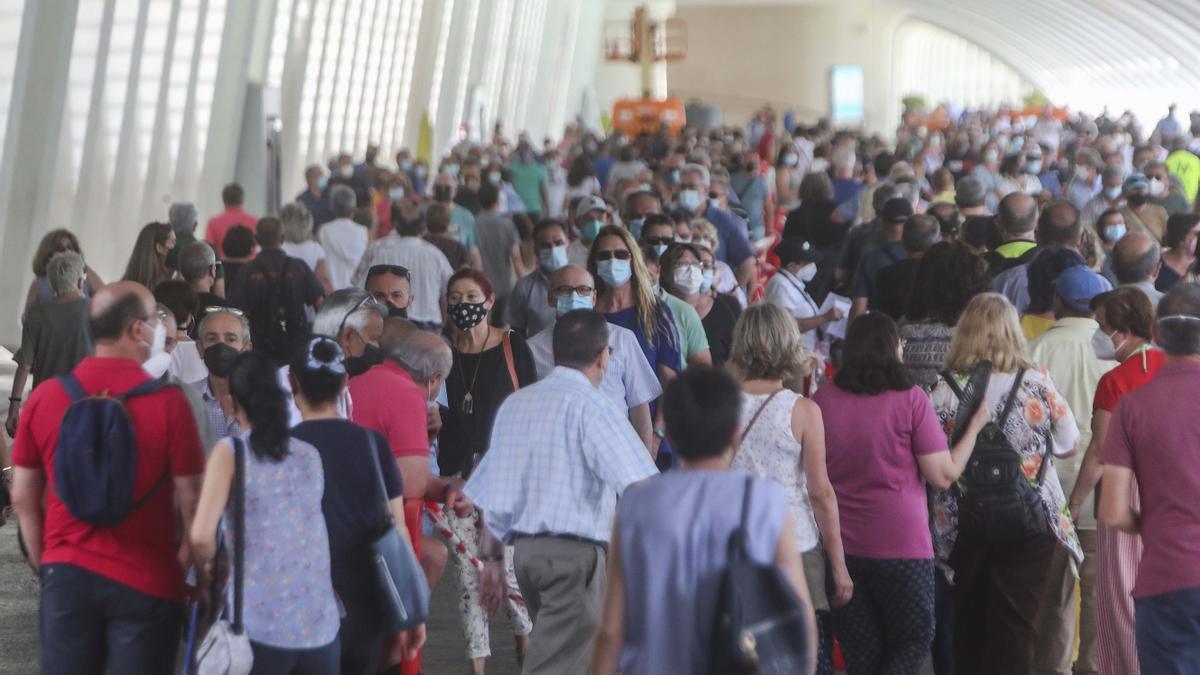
(658, 431)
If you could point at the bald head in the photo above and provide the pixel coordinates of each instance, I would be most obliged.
(1136, 258)
(1017, 216)
(122, 319)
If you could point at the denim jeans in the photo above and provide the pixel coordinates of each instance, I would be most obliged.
(92, 624)
(1168, 632)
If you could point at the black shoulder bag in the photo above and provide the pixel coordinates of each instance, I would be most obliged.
(761, 624)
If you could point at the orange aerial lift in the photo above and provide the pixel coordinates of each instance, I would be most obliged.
(646, 43)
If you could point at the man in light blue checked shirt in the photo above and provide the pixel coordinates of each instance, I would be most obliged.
(561, 453)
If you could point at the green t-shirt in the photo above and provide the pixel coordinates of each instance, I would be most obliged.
(692, 338)
(527, 180)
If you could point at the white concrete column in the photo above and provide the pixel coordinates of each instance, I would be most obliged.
(125, 184)
(156, 166)
(32, 138)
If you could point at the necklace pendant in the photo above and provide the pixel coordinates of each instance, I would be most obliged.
(468, 404)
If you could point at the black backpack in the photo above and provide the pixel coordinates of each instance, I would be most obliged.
(276, 319)
(761, 625)
(95, 461)
(996, 502)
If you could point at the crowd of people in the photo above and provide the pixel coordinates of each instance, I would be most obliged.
(567, 358)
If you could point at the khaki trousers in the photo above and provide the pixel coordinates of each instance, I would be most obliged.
(563, 582)
(1056, 625)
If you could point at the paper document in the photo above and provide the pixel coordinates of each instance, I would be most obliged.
(836, 329)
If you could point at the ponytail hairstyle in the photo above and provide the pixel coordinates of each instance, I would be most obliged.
(254, 383)
(317, 368)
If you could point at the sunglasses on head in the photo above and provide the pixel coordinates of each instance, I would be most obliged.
(398, 270)
(619, 254)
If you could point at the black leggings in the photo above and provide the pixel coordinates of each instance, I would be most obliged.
(361, 636)
(276, 661)
(887, 627)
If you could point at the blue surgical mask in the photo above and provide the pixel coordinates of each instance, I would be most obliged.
(590, 229)
(635, 227)
(396, 194)
(689, 199)
(322, 182)
(494, 177)
(1033, 166)
(714, 203)
(660, 249)
(706, 281)
(450, 169)
(551, 259)
(1114, 232)
(1112, 192)
(571, 302)
(675, 175)
(614, 272)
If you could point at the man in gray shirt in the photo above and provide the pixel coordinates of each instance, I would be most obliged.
(499, 243)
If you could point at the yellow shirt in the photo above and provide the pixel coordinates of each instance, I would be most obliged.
(1186, 167)
(1033, 325)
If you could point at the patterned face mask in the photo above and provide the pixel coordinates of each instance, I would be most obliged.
(467, 315)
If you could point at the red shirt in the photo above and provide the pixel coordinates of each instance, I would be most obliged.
(218, 225)
(1131, 374)
(140, 551)
(387, 400)
(1154, 434)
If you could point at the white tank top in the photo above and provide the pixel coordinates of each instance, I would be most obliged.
(771, 451)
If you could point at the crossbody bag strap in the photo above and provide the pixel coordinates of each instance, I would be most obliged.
(387, 512)
(758, 413)
(949, 378)
(506, 341)
(239, 531)
(744, 526)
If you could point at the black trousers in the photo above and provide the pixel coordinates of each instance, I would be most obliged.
(998, 589)
(361, 636)
(92, 624)
(275, 661)
(887, 627)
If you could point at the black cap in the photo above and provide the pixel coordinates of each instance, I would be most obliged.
(896, 210)
(796, 249)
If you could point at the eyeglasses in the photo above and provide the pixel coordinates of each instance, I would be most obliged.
(619, 254)
(398, 270)
(162, 316)
(357, 306)
(659, 240)
(577, 290)
(684, 266)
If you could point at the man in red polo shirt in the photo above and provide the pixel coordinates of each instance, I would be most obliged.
(218, 225)
(111, 597)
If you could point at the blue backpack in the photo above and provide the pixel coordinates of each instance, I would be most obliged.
(95, 461)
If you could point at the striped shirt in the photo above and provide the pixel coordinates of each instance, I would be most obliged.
(561, 452)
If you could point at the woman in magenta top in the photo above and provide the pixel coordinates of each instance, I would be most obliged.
(883, 443)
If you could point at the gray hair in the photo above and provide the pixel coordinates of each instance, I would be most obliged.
(183, 217)
(921, 232)
(345, 308)
(225, 311)
(908, 189)
(297, 223)
(843, 158)
(1179, 320)
(424, 355)
(1131, 265)
(195, 260)
(1111, 174)
(64, 272)
(705, 177)
(342, 201)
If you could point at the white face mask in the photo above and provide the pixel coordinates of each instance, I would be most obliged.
(159, 342)
(1157, 187)
(688, 279)
(156, 365)
(807, 273)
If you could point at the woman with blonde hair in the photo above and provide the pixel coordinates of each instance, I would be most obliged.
(998, 588)
(783, 440)
(299, 241)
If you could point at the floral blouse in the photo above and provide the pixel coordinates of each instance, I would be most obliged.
(1039, 408)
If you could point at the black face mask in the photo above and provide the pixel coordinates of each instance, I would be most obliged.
(1138, 198)
(219, 359)
(441, 193)
(357, 365)
(401, 312)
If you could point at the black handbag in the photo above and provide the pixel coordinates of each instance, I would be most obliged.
(761, 625)
(403, 591)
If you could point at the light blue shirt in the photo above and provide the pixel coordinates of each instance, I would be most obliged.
(561, 452)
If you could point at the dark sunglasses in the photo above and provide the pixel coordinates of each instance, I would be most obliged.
(619, 254)
(398, 270)
(659, 240)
